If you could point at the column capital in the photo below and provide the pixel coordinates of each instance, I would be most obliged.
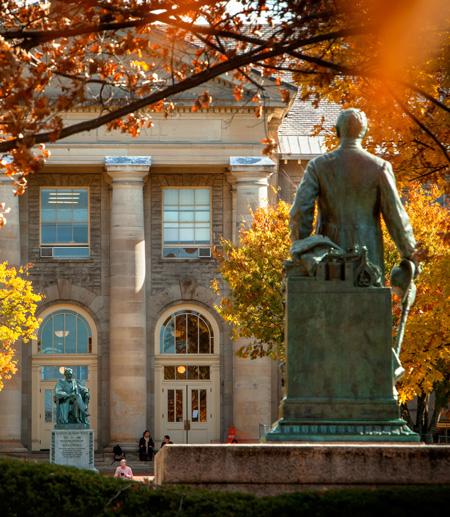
(251, 169)
(128, 169)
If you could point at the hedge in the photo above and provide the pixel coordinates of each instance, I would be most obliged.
(28, 489)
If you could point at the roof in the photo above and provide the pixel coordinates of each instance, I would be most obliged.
(295, 135)
(298, 147)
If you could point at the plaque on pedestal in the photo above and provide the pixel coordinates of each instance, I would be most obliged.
(73, 448)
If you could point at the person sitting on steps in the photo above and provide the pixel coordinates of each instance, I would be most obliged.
(146, 446)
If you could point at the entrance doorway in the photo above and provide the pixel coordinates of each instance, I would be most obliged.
(187, 378)
(189, 412)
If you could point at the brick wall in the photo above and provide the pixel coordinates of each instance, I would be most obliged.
(45, 272)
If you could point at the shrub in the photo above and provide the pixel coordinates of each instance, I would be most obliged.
(28, 489)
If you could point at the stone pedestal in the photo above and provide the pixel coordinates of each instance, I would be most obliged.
(340, 374)
(271, 469)
(73, 448)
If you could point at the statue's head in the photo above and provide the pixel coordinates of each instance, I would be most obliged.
(351, 123)
(68, 373)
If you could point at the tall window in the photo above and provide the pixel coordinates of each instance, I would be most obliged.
(65, 222)
(186, 332)
(186, 223)
(65, 332)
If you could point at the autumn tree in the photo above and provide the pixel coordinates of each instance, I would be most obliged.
(18, 305)
(251, 296)
(250, 284)
(399, 78)
(426, 348)
(131, 58)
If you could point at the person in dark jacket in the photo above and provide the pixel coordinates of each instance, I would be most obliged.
(146, 446)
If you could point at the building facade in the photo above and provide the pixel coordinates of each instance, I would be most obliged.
(120, 233)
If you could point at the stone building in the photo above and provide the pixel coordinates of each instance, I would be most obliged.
(120, 231)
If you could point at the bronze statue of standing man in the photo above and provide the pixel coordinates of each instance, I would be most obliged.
(353, 188)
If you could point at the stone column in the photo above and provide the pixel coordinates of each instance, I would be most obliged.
(11, 395)
(252, 379)
(127, 340)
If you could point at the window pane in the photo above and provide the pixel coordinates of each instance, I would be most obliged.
(70, 252)
(170, 216)
(47, 337)
(79, 215)
(193, 373)
(80, 373)
(180, 333)
(64, 214)
(80, 233)
(202, 196)
(186, 215)
(203, 337)
(170, 197)
(180, 372)
(59, 332)
(45, 194)
(83, 335)
(202, 235)
(171, 405)
(186, 234)
(203, 408)
(83, 199)
(186, 196)
(48, 215)
(168, 337)
(64, 233)
(70, 332)
(204, 374)
(169, 373)
(202, 216)
(194, 405)
(171, 234)
(48, 406)
(192, 334)
(179, 406)
(48, 233)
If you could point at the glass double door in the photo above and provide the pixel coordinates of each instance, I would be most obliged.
(188, 412)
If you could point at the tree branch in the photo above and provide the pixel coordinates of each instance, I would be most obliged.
(191, 82)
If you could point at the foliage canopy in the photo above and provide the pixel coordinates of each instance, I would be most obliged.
(18, 305)
(131, 58)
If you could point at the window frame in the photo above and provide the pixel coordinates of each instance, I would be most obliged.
(66, 244)
(187, 245)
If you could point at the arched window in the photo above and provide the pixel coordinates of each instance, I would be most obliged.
(186, 332)
(65, 332)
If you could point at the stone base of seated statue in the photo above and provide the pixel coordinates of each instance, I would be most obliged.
(340, 383)
(73, 446)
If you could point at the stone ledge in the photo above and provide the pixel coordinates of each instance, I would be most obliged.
(265, 469)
